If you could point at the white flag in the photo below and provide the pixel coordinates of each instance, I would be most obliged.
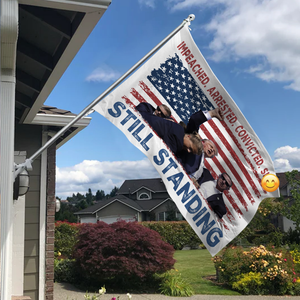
(178, 76)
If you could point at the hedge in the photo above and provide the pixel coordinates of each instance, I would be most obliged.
(177, 233)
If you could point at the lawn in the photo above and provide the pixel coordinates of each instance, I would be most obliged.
(194, 265)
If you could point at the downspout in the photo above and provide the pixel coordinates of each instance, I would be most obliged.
(9, 35)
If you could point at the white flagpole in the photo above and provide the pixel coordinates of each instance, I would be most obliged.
(28, 162)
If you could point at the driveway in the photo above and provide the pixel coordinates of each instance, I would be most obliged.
(66, 291)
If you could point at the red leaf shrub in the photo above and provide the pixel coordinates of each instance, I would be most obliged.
(122, 252)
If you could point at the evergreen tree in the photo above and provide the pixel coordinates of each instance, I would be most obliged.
(100, 195)
(89, 197)
(113, 192)
(79, 197)
(66, 213)
(81, 205)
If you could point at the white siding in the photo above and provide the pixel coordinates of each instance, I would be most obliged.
(88, 219)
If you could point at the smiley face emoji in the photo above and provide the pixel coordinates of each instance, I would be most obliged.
(270, 183)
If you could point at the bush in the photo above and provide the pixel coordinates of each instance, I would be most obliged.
(65, 238)
(273, 238)
(249, 283)
(173, 285)
(65, 270)
(178, 234)
(240, 270)
(291, 237)
(123, 253)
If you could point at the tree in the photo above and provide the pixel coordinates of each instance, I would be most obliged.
(113, 192)
(100, 195)
(81, 205)
(261, 228)
(66, 213)
(292, 206)
(79, 197)
(89, 197)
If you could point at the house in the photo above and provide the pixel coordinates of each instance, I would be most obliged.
(136, 200)
(39, 39)
(148, 200)
(285, 191)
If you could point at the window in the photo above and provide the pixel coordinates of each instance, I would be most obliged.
(143, 196)
(162, 216)
(179, 216)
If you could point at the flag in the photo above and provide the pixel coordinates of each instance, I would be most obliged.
(177, 75)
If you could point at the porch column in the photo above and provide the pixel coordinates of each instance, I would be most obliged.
(9, 34)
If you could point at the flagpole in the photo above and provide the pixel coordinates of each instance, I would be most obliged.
(28, 163)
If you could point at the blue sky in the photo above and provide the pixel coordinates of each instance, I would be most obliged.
(252, 46)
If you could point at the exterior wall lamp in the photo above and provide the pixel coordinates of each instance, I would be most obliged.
(21, 184)
(57, 205)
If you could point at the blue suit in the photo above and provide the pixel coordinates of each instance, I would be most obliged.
(145, 107)
(190, 161)
(171, 132)
(215, 201)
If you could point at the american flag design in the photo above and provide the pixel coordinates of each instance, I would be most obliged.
(173, 77)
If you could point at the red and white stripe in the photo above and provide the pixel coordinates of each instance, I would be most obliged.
(241, 200)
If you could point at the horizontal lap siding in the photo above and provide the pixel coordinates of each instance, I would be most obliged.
(116, 208)
(29, 139)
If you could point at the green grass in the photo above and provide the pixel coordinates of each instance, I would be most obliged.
(193, 265)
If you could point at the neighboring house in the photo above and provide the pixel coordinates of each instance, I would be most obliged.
(285, 192)
(148, 200)
(136, 200)
(39, 39)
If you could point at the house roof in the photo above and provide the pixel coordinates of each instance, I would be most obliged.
(104, 203)
(56, 118)
(283, 180)
(51, 110)
(139, 205)
(148, 205)
(133, 185)
(155, 185)
(50, 35)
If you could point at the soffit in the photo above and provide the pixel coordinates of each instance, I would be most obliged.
(50, 35)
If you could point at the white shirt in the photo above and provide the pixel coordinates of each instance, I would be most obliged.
(199, 172)
(208, 188)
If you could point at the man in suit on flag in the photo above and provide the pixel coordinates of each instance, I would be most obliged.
(191, 159)
(194, 164)
(172, 133)
(162, 111)
(212, 190)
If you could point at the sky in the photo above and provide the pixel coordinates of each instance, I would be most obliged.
(252, 46)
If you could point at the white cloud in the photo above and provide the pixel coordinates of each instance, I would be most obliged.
(149, 3)
(98, 175)
(287, 158)
(265, 30)
(105, 74)
(179, 4)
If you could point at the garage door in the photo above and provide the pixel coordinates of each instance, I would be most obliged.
(113, 219)
(88, 219)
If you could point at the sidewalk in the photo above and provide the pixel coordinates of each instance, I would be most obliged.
(65, 291)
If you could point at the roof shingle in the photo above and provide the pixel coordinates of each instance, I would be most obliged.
(132, 185)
